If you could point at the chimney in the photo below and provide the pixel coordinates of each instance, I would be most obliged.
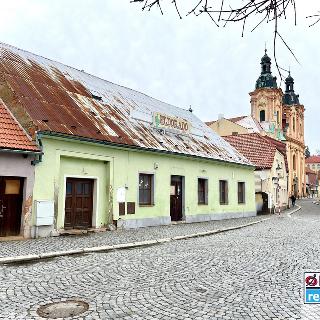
(220, 116)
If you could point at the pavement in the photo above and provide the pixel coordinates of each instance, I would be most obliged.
(255, 272)
(31, 248)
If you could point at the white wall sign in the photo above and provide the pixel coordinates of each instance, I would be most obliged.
(121, 194)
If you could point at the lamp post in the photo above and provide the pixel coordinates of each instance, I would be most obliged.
(276, 181)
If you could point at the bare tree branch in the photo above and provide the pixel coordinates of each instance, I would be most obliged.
(316, 16)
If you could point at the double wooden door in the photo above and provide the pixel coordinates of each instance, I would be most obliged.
(79, 203)
(176, 197)
(11, 195)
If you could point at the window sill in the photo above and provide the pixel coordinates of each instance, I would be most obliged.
(224, 204)
(146, 205)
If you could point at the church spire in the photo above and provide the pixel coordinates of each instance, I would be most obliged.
(266, 80)
(290, 97)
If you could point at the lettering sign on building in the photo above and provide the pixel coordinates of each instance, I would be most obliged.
(163, 121)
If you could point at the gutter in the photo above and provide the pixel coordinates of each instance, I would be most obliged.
(21, 151)
(40, 134)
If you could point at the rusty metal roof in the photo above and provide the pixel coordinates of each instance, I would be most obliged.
(61, 99)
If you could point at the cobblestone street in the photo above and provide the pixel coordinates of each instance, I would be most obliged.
(71, 242)
(250, 273)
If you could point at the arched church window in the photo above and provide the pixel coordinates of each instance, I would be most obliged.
(294, 124)
(294, 162)
(262, 115)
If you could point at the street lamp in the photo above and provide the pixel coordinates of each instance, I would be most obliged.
(276, 181)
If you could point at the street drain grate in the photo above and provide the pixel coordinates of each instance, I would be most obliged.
(62, 309)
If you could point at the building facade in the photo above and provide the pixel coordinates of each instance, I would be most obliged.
(313, 163)
(312, 182)
(278, 115)
(271, 173)
(112, 155)
(17, 153)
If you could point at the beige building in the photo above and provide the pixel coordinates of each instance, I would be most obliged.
(275, 114)
(313, 163)
(232, 126)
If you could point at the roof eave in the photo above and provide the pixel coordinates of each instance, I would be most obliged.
(132, 147)
(20, 151)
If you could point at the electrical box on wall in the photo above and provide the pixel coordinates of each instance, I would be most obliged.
(44, 212)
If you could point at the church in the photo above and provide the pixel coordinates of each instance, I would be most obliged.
(276, 114)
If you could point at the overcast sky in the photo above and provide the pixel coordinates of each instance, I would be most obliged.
(182, 62)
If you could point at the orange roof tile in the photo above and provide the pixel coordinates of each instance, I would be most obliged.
(256, 148)
(313, 159)
(12, 136)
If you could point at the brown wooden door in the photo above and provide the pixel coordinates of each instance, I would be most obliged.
(176, 194)
(11, 195)
(79, 203)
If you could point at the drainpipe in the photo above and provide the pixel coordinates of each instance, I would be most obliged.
(38, 157)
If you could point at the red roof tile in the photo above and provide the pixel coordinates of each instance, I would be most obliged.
(12, 136)
(313, 159)
(281, 146)
(256, 148)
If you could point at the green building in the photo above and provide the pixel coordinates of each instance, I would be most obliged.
(112, 155)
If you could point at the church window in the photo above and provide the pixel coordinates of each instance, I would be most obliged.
(262, 115)
(294, 124)
(294, 162)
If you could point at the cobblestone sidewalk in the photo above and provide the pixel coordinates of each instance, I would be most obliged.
(74, 242)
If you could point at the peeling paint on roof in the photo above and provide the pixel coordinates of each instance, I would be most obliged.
(62, 99)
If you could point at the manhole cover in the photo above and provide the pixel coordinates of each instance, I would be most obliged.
(62, 309)
(201, 290)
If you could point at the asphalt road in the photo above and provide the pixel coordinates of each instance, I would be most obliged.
(250, 273)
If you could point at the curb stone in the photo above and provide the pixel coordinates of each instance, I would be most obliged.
(289, 214)
(122, 246)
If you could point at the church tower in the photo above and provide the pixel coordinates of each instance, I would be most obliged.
(282, 117)
(293, 124)
(266, 101)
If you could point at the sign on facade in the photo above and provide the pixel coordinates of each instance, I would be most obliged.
(163, 121)
(121, 194)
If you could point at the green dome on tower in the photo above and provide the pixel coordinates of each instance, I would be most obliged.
(266, 80)
(290, 97)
